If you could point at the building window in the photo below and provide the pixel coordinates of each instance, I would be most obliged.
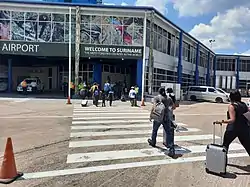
(186, 50)
(225, 64)
(244, 65)
(155, 37)
(160, 76)
(54, 27)
(187, 80)
(193, 54)
(203, 59)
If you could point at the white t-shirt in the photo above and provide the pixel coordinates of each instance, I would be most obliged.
(132, 94)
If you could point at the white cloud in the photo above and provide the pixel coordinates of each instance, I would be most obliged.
(228, 29)
(245, 53)
(201, 7)
(159, 5)
(109, 3)
(124, 4)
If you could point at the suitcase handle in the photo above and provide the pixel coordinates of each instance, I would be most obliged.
(215, 123)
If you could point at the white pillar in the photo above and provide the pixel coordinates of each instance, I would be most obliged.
(69, 94)
(144, 55)
(229, 82)
(233, 82)
(224, 79)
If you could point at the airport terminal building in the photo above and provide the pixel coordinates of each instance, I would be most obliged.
(108, 42)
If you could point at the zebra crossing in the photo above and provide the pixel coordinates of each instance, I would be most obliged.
(116, 138)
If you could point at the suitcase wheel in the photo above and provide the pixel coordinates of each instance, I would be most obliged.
(207, 171)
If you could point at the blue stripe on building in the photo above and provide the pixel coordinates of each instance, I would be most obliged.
(215, 67)
(197, 64)
(238, 72)
(179, 68)
(208, 70)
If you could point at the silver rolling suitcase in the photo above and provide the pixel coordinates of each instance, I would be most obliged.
(216, 156)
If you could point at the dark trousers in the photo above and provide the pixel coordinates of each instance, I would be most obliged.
(25, 92)
(110, 101)
(96, 98)
(169, 132)
(243, 136)
(133, 102)
(103, 102)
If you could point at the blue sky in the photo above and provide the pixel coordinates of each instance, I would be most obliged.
(226, 21)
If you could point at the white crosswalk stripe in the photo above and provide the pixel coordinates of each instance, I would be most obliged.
(102, 134)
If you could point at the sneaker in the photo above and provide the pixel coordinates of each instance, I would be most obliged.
(151, 143)
(171, 152)
(175, 145)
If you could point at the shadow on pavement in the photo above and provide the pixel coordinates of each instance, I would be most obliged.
(243, 168)
(45, 95)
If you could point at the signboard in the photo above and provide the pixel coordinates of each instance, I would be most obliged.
(33, 48)
(61, 50)
(132, 52)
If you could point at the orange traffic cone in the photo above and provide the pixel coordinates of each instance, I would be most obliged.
(8, 172)
(68, 102)
(142, 102)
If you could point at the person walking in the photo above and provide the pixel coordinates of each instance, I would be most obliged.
(165, 121)
(103, 95)
(96, 96)
(237, 124)
(132, 96)
(24, 86)
(111, 97)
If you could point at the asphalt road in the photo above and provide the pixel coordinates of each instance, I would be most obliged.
(108, 146)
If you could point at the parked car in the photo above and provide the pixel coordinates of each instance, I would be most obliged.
(34, 84)
(206, 93)
(223, 91)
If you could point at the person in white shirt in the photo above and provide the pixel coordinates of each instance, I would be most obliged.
(132, 96)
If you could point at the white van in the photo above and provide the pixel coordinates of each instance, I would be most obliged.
(206, 93)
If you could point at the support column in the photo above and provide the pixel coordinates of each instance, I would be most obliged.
(197, 64)
(9, 75)
(208, 70)
(139, 75)
(151, 55)
(97, 74)
(238, 72)
(77, 48)
(179, 67)
(214, 74)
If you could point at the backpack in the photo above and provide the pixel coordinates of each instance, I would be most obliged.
(158, 112)
(96, 93)
(240, 111)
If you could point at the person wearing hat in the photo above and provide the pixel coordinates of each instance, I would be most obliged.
(132, 96)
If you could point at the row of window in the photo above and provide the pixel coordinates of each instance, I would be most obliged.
(244, 65)
(115, 69)
(51, 27)
(168, 43)
(167, 76)
(224, 64)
